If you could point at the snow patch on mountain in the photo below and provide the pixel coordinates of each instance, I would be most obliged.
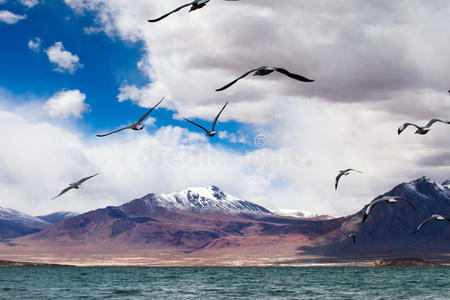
(208, 200)
(423, 185)
(56, 217)
(12, 215)
(299, 214)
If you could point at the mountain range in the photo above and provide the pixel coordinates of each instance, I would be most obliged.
(208, 220)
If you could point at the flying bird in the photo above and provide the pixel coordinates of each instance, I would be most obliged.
(263, 71)
(421, 130)
(137, 125)
(433, 217)
(345, 173)
(353, 237)
(387, 199)
(196, 4)
(75, 185)
(211, 132)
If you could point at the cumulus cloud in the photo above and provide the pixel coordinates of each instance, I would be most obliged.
(356, 51)
(238, 137)
(376, 65)
(65, 104)
(131, 164)
(35, 44)
(298, 175)
(10, 18)
(64, 60)
(29, 3)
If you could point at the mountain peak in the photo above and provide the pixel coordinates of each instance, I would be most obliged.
(206, 200)
(12, 215)
(423, 185)
(209, 192)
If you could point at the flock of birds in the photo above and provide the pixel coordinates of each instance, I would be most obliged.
(263, 71)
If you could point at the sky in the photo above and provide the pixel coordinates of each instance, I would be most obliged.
(71, 69)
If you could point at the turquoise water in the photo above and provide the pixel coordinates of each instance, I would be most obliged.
(225, 283)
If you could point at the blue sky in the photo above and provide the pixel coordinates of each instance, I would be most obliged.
(107, 64)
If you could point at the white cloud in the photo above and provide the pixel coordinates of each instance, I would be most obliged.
(355, 52)
(376, 65)
(92, 30)
(35, 44)
(65, 104)
(238, 137)
(298, 175)
(10, 18)
(131, 164)
(65, 61)
(29, 3)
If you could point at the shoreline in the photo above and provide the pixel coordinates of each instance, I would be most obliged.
(366, 264)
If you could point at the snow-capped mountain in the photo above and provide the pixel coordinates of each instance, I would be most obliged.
(58, 216)
(207, 218)
(14, 223)
(204, 200)
(299, 214)
(389, 228)
(12, 215)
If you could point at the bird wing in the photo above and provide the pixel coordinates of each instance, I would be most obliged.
(63, 192)
(292, 75)
(434, 121)
(348, 170)
(423, 223)
(102, 135)
(169, 13)
(217, 117)
(405, 125)
(149, 111)
(86, 178)
(236, 80)
(370, 207)
(197, 125)
(337, 180)
(409, 203)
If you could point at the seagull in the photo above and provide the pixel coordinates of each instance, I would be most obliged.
(343, 172)
(137, 125)
(387, 199)
(353, 237)
(262, 71)
(433, 217)
(196, 4)
(75, 185)
(211, 132)
(421, 130)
